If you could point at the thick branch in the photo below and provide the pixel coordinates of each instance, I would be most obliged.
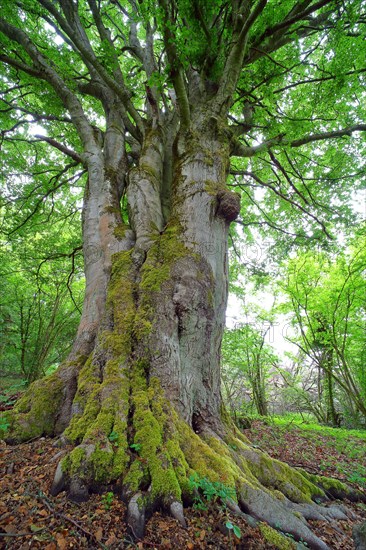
(279, 36)
(236, 56)
(176, 69)
(240, 150)
(329, 135)
(19, 65)
(60, 147)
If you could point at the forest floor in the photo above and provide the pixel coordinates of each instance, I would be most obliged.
(30, 518)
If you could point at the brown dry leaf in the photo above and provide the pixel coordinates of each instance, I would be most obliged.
(99, 534)
(3, 507)
(202, 534)
(61, 542)
(111, 539)
(7, 517)
(190, 545)
(44, 513)
(51, 546)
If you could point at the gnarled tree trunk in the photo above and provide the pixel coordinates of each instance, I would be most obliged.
(139, 396)
(140, 393)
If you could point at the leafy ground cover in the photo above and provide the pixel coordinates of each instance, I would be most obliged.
(29, 518)
(338, 453)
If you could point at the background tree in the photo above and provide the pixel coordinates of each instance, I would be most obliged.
(39, 313)
(248, 360)
(153, 100)
(327, 303)
(41, 270)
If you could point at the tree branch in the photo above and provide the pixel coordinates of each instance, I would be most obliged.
(261, 47)
(240, 150)
(176, 69)
(81, 42)
(49, 74)
(69, 152)
(21, 66)
(328, 135)
(235, 59)
(287, 199)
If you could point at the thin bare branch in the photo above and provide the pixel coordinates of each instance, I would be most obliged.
(60, 147)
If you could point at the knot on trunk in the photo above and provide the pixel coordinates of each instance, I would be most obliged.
(228, 205)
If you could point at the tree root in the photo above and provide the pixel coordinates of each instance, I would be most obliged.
(159, 467)
(128, 438)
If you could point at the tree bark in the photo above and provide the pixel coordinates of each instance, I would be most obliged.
(139, 396)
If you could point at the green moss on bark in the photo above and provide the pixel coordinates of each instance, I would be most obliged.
(274, 537)
(35, 413)
(150, 433)
(330, 485)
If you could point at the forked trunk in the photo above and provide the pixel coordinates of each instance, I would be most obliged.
(140, 394)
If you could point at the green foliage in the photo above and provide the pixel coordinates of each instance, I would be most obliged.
(107, 500)
(325, 299)
(4, 425)
(234, 528)
(342, 435)
(207, 492)
(113, 437)
(135, 447)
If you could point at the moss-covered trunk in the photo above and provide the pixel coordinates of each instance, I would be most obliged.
(140, 398)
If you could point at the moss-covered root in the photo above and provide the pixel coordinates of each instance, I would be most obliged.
(275, 513)
(35, 413)
(155, 465)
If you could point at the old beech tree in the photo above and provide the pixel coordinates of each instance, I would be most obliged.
(159, 102)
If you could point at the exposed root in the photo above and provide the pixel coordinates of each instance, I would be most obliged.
(176, 510)
(136, 516)
(140, 448)
(45, 407)
(167, 453)
(264, 507)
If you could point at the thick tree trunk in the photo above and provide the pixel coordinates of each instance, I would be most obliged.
(140, 394)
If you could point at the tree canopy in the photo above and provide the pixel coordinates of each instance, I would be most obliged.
(280, 73)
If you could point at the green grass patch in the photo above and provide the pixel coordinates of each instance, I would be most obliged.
(337, 452)
(308, 424)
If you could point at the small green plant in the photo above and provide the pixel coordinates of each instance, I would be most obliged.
(135, 447)
(107, 500)
(4, 425)
(113, 437)
(358, 476)
(234, 528)
(207, 491)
